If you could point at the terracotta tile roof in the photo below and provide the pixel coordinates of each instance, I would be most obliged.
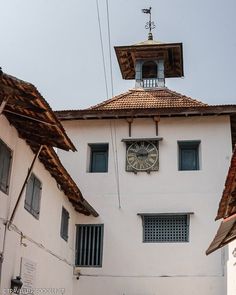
(148, 99)
(227, 206)
(28, 111)
(227, 210)
(37, 124)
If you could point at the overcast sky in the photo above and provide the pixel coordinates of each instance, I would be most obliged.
(55, 45)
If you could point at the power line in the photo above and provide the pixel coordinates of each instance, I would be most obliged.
(39, 245)
(109, 40)
(116, 166)
(102, 49)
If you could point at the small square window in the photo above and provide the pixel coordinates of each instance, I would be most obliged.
(89, 245)
(165, 228)
(33, 196)
(64, 223)
(188, 155)
(5, 166)
(98, 158)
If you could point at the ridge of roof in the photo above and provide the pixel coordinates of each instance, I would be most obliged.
(147, 98)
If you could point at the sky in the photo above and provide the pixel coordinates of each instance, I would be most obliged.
(55, 45)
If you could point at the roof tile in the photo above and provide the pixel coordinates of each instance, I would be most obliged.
(145, 99)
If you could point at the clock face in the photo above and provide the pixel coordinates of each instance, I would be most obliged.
(142, 156)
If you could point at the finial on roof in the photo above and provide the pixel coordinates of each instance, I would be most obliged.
(150, 24)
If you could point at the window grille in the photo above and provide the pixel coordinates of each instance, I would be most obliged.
(5, 165)
(166, 228)
(89, 245)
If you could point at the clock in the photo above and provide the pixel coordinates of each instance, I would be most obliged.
(142, 156)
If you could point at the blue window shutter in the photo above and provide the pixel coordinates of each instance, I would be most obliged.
(98, 157)
(188, 155)
(5, 164)
(29, 193)
(64, 224)
(99, 162)
(189, 159)
(33, 196)
(36, 197)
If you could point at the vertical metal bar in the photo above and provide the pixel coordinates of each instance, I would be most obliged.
(156, 120)
(81, 234)
(130, 121)
(97, 245)
(85, 246)
(93, 246)
(89, 244)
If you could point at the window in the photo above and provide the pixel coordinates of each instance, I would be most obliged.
(165, 228)
(98, 158)
(64, 223)
(89, 245)
(188, 155)
(149, 70)
(33, 196)
(5, 165)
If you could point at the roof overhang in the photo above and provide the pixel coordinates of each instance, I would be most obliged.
(227, 210)
(90, 114)
(30, 114)
(225, 234)
(171, 53)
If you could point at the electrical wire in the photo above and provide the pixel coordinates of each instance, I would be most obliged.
(13, 227)
(151, 276)
(102, 49)
(109, 41)
(116, 165)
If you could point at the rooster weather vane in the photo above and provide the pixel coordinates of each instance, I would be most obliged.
(150, 24)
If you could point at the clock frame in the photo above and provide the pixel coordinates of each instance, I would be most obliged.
(142, 156)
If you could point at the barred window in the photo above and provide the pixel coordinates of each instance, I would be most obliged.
(165, 228)
(89, 245)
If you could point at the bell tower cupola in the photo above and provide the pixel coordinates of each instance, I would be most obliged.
(150, 62)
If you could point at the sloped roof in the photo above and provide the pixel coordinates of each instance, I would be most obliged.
(227, 210)
(143, 99)
(37, 124)
(227, 206)
(29, 112)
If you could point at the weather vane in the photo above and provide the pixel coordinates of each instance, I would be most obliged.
(150, 24)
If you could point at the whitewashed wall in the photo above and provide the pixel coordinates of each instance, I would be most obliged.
(231, 269)
(50, 272)
(131, 267)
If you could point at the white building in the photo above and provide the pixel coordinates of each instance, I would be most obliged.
(39, 202)
(153, 163)
(226, 234)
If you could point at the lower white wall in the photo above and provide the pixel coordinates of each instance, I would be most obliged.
(231, 269)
